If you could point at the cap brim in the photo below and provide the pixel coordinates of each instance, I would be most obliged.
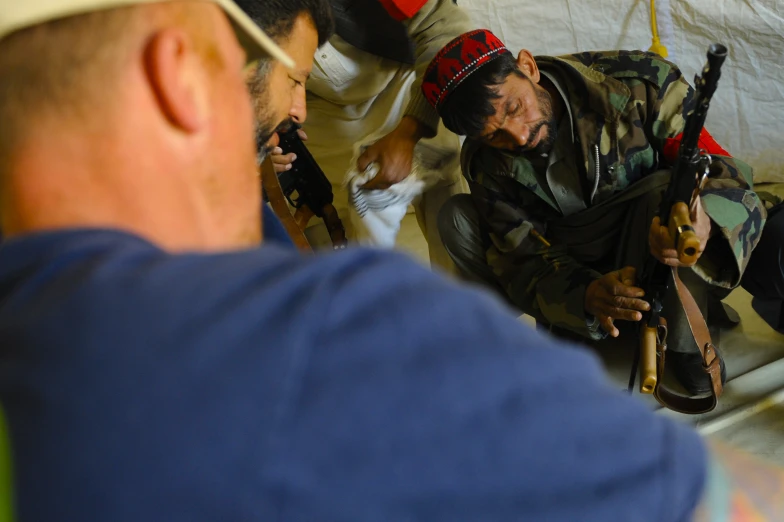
(256, 43)
(18, 14)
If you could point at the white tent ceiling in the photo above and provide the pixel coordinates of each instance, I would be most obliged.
(747, 112)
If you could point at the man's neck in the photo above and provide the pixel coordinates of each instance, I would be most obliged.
(94, 182)
(559, 106)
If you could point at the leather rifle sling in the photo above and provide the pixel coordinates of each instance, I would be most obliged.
(280, 206)
(710, 359)
(337, 232)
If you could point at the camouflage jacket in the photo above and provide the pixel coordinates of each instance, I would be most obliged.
(624, 106)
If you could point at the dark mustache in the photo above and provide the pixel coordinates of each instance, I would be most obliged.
(288, 126)
(527, 148)
(283, 127)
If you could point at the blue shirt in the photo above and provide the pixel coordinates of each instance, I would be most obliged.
(265, 385)
(273, 230)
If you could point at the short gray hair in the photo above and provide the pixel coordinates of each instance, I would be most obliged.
(63, 66)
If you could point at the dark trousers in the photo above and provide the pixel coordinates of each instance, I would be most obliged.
(764, 276)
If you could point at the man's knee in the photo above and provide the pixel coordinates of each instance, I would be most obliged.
(458, 223)
(466, 240)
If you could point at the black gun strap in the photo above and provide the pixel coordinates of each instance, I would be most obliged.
(710, 359)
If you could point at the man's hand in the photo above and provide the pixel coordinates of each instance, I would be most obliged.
(394, 154)
(614, 296)
(281, 161)
(663, 245)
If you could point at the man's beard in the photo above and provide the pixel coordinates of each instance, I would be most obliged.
(264, 134)
(265, 123)
(265, 128)
(545, 145)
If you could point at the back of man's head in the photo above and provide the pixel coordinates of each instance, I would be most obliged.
(65, 70)
(277, 17)
(129, 114)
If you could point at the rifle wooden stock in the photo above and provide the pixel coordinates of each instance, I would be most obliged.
(648, 371)
(687, 244)
(269, 180)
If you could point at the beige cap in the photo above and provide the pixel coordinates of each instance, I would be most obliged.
(18, 14)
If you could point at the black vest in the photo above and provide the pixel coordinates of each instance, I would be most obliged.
(366, 25)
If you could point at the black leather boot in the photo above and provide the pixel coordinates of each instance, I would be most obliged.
(689, 370)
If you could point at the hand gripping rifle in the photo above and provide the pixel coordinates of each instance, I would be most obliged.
(306, 189)
(688, 178)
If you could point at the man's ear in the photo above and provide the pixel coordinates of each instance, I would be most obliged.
(176, 76)
(527, 64)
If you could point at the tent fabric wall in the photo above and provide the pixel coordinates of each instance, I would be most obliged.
(747, 111)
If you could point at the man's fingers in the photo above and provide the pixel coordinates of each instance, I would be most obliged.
(622, 314)
(655, 225)
(664, 238)
(377, 183)
(363, 162)
(658, 234)
(618, 289)
(628, 275)
(669, 260)
(365, 159)
(281, 162)
(609, 327)
(662, 247)
(660, 238)
(668, 257)
(283, 159)
(274, 141)
(302, 135)
(629, 303)
(668, 252)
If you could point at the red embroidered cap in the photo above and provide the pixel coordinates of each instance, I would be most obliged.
(457, 61)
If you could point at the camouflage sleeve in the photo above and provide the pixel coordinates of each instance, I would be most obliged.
(543, 281)
(738, 217)
(737, 213)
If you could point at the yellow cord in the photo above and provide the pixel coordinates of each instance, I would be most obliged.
(656, 46)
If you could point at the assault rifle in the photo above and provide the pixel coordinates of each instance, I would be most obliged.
(307, 189)
(688, 178)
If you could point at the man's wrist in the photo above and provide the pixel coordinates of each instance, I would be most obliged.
(591, 321)
(411, 128)
(587, 298)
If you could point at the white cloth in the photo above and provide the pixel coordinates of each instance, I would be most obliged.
(355, 98)
(376, 214)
